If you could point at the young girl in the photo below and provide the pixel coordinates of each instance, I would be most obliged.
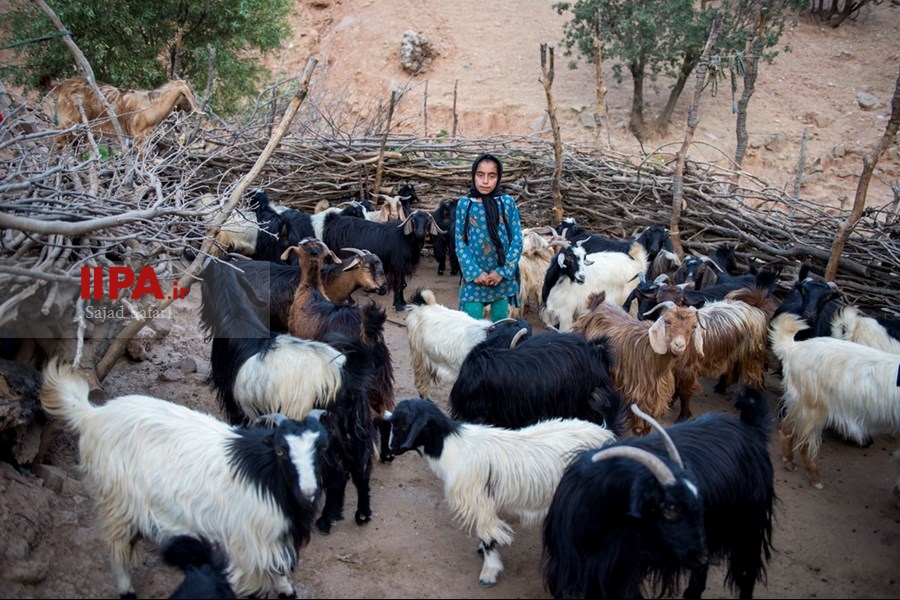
(488, 243)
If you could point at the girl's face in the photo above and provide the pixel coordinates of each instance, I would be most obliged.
(486, 176)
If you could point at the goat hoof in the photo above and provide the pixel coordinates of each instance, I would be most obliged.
(362, 519)
(323, 526)
(388, 458)
(486, 584)
(683, 418)
(283, 595)
(440, 271)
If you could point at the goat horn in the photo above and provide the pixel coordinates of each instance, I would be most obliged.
(670, 445)
(516, 338)
(667, 305)
(654, 464)
(563, 243)
(270, 420)
(354, 250)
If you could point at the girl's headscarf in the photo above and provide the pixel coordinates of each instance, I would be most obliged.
(491, 204)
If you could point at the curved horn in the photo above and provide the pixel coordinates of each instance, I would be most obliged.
(563, 243)
(519, 335)
(353, 250)
(654, 464)
(270, 420)
(670, 445)
(667, 305)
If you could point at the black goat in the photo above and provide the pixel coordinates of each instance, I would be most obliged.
(204, 566)
(540, 377)
(444, 244)
(665, 504)
(399, 246)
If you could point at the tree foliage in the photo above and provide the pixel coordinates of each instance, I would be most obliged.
(141, 44)
(665, 37)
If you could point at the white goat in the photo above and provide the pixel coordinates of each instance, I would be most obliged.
(848, 323)
(439, 339)
(491, 471)
(158, 469)
(832, 383)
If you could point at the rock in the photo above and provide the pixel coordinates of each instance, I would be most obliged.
(416, 52)
(171, 375)
(867, 101)
(776, 142)
(53, 477)
(187, 365)
(138, 348)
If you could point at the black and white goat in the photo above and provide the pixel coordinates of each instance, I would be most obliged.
(655, 507)
(574, 275)
(158, 469)
(399, 246)
(549, 375)
(492, 473)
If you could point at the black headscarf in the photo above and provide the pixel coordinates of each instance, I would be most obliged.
(491, 203)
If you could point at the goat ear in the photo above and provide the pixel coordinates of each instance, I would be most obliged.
(407, 225)
(657, 335)
(697, 334)
(287, 253)
(561, 260)
(435, 228)
(352, 264)
(415, 428)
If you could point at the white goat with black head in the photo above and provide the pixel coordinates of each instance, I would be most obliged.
(490, 472)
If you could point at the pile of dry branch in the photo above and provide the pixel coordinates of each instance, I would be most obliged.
(66, 208)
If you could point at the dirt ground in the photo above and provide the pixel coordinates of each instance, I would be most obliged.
(841, 542)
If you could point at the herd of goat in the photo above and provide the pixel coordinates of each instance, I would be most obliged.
(559, 428)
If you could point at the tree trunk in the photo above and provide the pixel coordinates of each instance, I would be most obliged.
(636, 123)
(693, 119)
(753, 50)
(687, 67)
(859, 202)
(600, 109)
(379, 167)
(547, 74)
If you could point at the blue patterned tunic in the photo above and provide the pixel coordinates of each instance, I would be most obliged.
(479, 255)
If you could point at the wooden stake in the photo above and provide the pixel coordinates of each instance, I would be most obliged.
(546, 80)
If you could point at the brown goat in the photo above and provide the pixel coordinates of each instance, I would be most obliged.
(313, 316)
(735, 345)
(644, 353)
(139, 111)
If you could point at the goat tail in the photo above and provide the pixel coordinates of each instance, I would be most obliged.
(64, 394)
(423, 297)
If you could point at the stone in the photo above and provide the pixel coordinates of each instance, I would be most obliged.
(867, 101)
(416, 52)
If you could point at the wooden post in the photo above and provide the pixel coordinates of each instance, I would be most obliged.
(693, 119)
(455, 117)
(801, 164)
(546, 80)
(859, 202)
(118, 345)
(425, 111)
(752, 53)
(379, 166)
